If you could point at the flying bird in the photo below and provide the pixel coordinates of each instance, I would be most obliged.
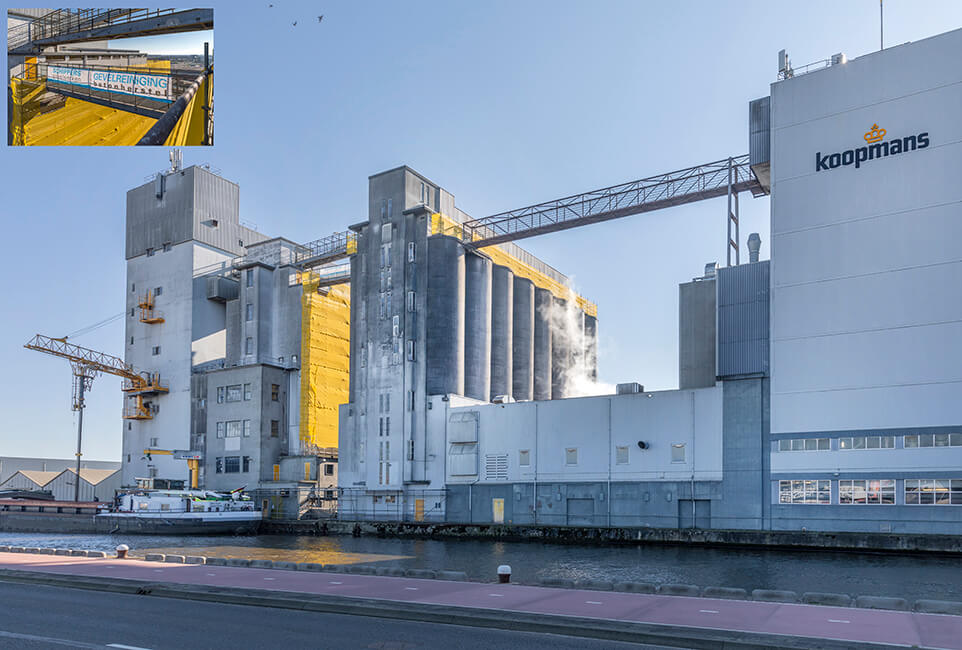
(295, 23)
(320, 18)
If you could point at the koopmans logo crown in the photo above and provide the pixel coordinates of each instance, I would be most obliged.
(875, 135)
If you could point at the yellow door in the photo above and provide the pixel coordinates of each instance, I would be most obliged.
(497, 507)
(419, 510)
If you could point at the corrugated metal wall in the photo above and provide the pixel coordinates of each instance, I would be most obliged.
(759, 139)
(743, 310)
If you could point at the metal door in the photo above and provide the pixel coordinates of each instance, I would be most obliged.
(581, 512)
(497, 511)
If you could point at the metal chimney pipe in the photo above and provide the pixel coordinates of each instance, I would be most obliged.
(754, 246)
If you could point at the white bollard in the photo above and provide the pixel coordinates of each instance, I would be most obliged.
(504, 574)
(122, 551)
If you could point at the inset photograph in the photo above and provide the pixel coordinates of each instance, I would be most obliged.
(110, 77)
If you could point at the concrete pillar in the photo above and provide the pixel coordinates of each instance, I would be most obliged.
(445, 316)
(522, 337)
(477, 327)
(542, 344)
(560, 349)
(502, 321)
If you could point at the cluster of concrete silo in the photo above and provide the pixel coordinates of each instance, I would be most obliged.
(491, 333)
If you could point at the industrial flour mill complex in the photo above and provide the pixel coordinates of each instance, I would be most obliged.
(433, 371)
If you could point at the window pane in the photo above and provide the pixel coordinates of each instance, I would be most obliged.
(927, 497)
(873, 443)
(956, 498)
(844, 443)
(925, 440)
(955, 439)
(911, 441)
(811, 444)
(824, 444)
(888, 442)
(858, 443)
(798, 444)
(784, 445)
(941, 440)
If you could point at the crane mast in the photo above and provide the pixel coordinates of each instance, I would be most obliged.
(88, 364)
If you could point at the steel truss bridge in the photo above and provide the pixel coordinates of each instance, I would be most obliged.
(727, 177)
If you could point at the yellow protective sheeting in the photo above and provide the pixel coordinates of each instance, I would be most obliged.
(325, 360)
(442, 224)
(189, 129)
(84, 123)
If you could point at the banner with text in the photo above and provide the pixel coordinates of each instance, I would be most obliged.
(139, 84)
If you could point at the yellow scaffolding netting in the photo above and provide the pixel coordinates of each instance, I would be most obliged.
(442, 224)
(325, 359)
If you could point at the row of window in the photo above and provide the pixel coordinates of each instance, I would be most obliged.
(238, 392)
(232, 464)
(165, 247)
(872, 491)
(622, 454)
(871, 442)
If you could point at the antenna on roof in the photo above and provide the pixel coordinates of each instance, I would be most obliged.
(176, 160)
(881, 26)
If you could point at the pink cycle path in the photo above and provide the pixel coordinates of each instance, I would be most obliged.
(840, 623)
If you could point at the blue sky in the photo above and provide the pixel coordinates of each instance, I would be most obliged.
(502, 103)
(186, 43)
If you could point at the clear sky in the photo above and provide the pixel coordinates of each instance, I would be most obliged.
(186, 43)
(502, 103)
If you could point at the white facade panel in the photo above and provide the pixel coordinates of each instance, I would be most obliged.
(579, 439)
(866, 262)
(881, 462)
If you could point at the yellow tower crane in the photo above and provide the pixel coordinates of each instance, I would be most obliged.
(88, 364)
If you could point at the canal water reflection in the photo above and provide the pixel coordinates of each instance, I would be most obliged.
(905, 576)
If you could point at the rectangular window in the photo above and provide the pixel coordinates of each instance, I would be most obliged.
(571, 456)
(387, 425)
(220, 394)
(131, 311)
(247, 392)
(219, 465)
(410, 400)
(621, 455)
(247, 464)
(131, 340)
(410, 350)
(133, 288)
(249, 345)
(804, 444)
(234, 393)
(678, 452)
(933, 440)
(390, 208)
(805, 491)
(221, 428)
(249, 311)
(155, 350)
(867, 442)
(866, 491)
(153, 442)
(411, 449)
(275, 428)
(328, 469)
(277, 472)
(231, 464)
(411, 251)
(275, 392)
(234, 428)
(158, 291)
(250, 277)
(939, 492)
(247, 428)
(410, 302)
(524, 458)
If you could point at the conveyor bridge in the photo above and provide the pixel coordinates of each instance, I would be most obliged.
(727, 177)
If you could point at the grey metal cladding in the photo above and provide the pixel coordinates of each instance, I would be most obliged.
(743, 319)
(759, 118)
(153, 222)
(192, 201)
